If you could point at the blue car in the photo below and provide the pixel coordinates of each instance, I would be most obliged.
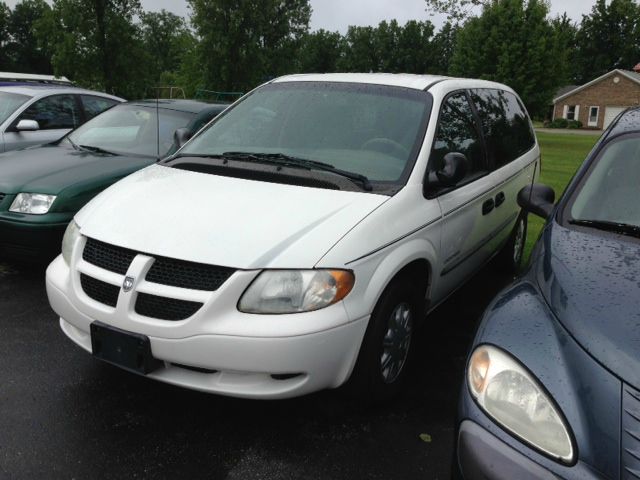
(552, 387)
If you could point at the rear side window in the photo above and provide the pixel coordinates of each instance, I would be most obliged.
(458, 133)
(55, 112)
(505, 124)
(95, 105)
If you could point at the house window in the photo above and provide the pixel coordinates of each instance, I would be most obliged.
(594, 113)
(571, 112)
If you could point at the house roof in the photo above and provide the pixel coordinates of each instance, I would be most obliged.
(562, 91)
(626, 73)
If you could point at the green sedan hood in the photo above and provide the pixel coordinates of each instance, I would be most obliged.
(74, 176)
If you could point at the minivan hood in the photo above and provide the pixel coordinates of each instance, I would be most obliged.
(224, 221)
(592, 284)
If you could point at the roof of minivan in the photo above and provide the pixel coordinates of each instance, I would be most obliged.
(418, 82)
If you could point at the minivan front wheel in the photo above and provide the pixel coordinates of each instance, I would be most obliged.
(509, 260)
(381, 368)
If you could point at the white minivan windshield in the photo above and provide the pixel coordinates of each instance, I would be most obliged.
(370, 130)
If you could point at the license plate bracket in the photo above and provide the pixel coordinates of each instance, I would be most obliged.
(128, 350)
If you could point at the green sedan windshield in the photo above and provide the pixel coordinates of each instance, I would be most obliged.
(131, 129)
(370, 130)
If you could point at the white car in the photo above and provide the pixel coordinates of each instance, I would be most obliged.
(33, 113)
(297, 242)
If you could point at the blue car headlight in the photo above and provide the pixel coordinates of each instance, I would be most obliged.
(512, 397)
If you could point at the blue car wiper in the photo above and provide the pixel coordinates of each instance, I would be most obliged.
(607, 226)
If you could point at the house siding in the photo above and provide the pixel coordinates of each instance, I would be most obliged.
(605, 93)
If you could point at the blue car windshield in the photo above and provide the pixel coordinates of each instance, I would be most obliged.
(132, 129)
(9, 103)
(611, 188)
(370, 130)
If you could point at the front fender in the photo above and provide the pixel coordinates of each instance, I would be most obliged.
(520, 323)
(375, 272)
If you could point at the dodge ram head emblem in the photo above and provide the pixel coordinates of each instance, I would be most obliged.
(128, 284)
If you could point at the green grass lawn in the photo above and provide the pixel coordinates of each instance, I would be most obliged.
(562, 154)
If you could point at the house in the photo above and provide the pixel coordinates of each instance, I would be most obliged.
(597, 103)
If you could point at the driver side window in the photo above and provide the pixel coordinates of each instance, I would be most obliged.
(458, 133)
(53, 113)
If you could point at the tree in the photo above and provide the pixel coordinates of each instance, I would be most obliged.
(512, 42)
(457, 11)
(245, 42)
(97, 44)
(565, 33)
(361, 55)
(443, 46)
(167, 40)
(28, 55)
(6, 62)
(608, 38)
(320, 52)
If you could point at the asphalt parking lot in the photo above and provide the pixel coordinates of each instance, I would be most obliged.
(65, 415)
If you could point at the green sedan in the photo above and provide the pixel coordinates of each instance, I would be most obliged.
(42, 188)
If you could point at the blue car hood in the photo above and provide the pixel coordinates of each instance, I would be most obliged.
(592, 284)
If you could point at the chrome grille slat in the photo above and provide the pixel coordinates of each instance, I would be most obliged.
(630, 434)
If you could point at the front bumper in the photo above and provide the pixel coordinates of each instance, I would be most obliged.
(31, 241)
(486, 452)
(216, 351)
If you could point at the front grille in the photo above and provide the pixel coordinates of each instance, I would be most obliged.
(164, 308)
(100, 291)
(195, 276)
(630, 434)
(165, 271)
(112, 258)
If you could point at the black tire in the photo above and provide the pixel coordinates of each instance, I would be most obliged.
(370, 382)
(510, 258)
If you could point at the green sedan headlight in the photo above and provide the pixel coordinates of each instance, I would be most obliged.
(71, 236)
(32, 203)
(510, 395)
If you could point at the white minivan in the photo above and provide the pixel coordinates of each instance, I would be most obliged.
(296, 243)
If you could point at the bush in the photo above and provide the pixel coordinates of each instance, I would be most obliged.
(559, 123)
(574, 124)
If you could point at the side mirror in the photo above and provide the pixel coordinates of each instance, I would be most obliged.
(538, 199)
(182, 136)
(27, 126)
(453, 170)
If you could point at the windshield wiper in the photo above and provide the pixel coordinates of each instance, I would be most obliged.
(93, 149)
(616, 227)
(283, 160)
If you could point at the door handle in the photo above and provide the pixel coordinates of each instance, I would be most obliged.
(500, 198)
(488, 206)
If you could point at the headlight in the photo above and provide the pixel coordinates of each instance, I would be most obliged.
(32, 203)
(512, 397)
(70, 238)
(292, 291)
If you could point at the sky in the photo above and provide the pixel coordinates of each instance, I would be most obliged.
(339, 14)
